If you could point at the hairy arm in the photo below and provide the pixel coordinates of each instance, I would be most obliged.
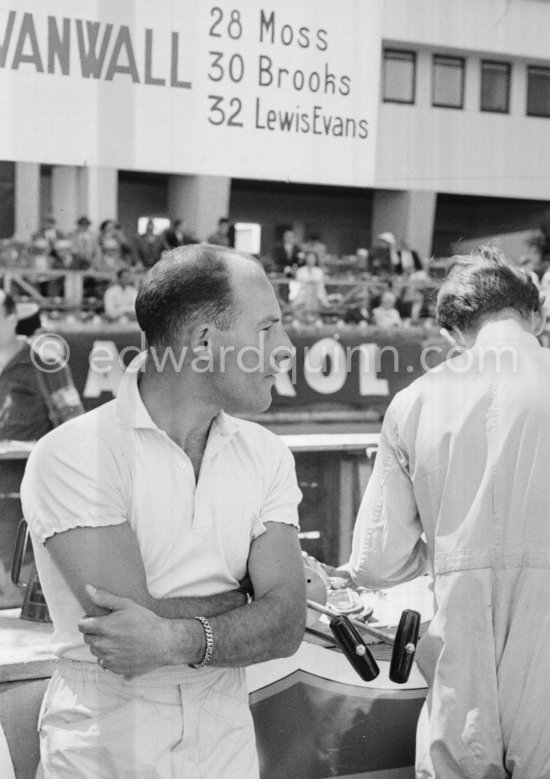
(109, 558)
(132, 640)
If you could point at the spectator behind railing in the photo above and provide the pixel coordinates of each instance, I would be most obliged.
(386, 315)
(222, 235)
(313, 243)
(48, 232)
(307, 292)
(110, 237)
(83, 243)
(175, 236)
(287, 255)
(147, 246)
(120, 298)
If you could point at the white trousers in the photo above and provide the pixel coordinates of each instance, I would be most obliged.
(93, 723)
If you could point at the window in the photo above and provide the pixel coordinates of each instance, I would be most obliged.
(495, 86)
(538, 91)
(399, 76)
(248, 237)
(448, 82)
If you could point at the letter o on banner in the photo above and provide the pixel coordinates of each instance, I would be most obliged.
(325, 366)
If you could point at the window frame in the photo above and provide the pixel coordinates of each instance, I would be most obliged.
(530, 69)
(462, 61)
(412, 55)
(508, 66)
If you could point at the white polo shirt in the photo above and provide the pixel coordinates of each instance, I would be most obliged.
(114, 464)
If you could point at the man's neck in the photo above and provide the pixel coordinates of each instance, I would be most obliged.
(176, 407)
(501, 321)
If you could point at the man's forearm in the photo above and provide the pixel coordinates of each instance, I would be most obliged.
(265, 629)
(189, 608)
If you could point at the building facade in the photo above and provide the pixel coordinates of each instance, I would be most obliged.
(426, 118)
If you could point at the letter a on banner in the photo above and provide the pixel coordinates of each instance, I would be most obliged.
(105, 371)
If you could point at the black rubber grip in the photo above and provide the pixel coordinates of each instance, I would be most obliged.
(404, 646)
(349, 639)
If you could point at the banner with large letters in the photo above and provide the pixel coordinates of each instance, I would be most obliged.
(352, 368)
(279, 90)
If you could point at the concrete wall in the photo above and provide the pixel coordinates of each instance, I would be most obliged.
(465, 150)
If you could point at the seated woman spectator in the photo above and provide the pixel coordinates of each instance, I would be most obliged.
(307, 293)
(386, 314)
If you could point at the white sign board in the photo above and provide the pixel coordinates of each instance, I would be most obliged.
(280, 90)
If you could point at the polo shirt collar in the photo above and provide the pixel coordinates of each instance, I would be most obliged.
(131, 412)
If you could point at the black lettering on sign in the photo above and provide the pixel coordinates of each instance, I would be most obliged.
(288, 36)
(149, 78)
(217, 13)
(27, 34)
(7, 38)
(123, 45)
(91, 63)
(235, 68)
(234, 27)
(218, 115)
(59, 45)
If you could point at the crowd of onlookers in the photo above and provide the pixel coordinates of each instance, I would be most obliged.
(386, 285)
(102, 250)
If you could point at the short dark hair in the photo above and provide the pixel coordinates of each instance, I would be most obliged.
(188, 282)
(482, 283)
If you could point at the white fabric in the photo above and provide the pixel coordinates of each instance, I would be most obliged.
(119, 300)
(6, 765)
(113, 465)
(94, 724)
(463, 456)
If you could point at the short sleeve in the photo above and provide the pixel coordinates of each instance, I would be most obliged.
(283, 494)
(70, 482)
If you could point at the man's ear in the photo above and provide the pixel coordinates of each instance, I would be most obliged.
(447, 336)
(201, 337)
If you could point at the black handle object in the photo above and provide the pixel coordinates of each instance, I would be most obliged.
(354, 648)
(404, 646)
(19, 553)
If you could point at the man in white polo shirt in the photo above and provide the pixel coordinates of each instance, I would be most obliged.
(165, 503)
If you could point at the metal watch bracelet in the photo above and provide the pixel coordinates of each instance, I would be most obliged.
(209, 636)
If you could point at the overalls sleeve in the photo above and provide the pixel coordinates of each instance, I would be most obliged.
(387, 545)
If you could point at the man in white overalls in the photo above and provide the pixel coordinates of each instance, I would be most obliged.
(461, 480)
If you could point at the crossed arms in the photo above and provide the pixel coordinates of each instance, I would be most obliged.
(142, 633)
